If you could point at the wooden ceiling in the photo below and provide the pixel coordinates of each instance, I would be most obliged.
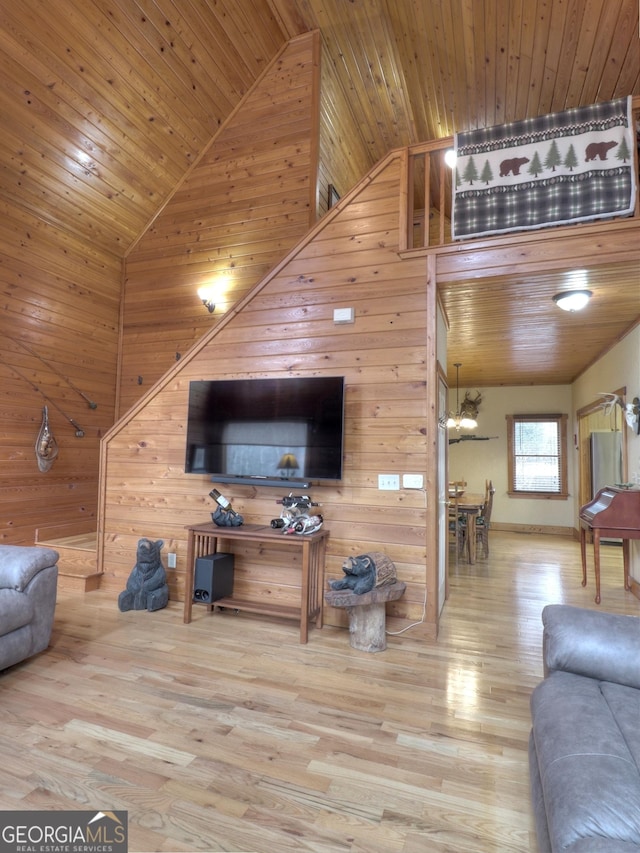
(506, 330)
(106, 104)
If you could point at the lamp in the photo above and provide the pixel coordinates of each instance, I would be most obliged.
(288, 465)
(461, 419)
(450, 157)
(572, 300)
(206, 295)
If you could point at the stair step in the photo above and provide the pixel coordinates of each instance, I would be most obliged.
(77, 565)
(78, 582)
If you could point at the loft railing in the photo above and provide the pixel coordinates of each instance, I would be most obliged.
(428, 195)
(427, 190)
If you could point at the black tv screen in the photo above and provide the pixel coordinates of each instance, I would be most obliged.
(276, 430)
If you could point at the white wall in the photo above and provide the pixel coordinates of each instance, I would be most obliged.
(477, 461)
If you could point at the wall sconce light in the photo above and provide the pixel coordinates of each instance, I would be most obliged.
(450, 157)
(207, 298)
(572, 300)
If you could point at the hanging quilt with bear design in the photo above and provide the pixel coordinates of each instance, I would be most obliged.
(566, 167)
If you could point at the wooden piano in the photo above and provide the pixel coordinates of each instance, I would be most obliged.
(613, 513)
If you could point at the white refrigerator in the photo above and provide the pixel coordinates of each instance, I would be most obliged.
(606, 460)
(606, 464)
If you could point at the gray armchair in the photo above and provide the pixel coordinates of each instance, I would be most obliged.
(28, 586)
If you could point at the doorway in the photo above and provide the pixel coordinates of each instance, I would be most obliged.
(602, 446)
(443, 494)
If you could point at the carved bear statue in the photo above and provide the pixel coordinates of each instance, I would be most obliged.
(147, 587)
(365, 572)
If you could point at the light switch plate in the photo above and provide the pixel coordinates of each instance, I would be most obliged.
(171, 560)
(389, 482)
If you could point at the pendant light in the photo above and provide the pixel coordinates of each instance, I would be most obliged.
(460, 420)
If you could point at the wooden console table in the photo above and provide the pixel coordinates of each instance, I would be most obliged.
(205, 538)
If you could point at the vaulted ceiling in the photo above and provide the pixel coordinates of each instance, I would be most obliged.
(106, 103)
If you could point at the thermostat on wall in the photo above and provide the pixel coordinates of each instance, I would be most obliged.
(343, 315)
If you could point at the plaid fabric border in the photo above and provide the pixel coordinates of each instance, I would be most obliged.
(553, 170)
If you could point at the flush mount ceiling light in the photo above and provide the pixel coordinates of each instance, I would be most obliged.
(572, 300)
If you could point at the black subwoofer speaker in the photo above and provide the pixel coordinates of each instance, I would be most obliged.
(213, 577)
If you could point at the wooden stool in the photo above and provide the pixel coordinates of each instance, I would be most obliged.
(367, 614)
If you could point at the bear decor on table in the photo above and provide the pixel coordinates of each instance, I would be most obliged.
(227, 517)
(365, 572)
(147, 587)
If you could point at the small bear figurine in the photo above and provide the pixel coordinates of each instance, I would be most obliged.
(227, 517)
(147, 587)
(365, 572)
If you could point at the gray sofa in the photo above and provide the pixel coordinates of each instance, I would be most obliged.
(584, 750)
(28, 586)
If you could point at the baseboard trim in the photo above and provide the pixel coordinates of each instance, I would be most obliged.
(535, 528)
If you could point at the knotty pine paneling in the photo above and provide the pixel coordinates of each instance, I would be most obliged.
(492, 292)
(58, 339)
(239, 211)
(285, 328)
(105, 106)
(344, 157)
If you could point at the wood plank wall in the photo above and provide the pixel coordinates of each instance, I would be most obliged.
(246, 202)
(61, 295)
(58, 329)
(285, 328)
(343, 156)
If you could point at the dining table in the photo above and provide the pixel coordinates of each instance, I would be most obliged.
(471, 505)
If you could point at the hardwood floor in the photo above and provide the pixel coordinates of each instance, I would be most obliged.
(227, 734)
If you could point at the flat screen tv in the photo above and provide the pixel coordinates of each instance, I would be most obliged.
(269, 431)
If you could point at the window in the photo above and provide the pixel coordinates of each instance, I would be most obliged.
(537, 456)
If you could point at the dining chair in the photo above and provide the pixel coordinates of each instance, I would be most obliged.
(483, 521)
(455, 525)
(456, 520)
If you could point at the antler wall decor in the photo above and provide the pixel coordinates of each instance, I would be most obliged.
(469, 407)
(631, 411)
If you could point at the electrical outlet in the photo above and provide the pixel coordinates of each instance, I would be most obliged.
(389, 482)
(171, 560)
(412, 481)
